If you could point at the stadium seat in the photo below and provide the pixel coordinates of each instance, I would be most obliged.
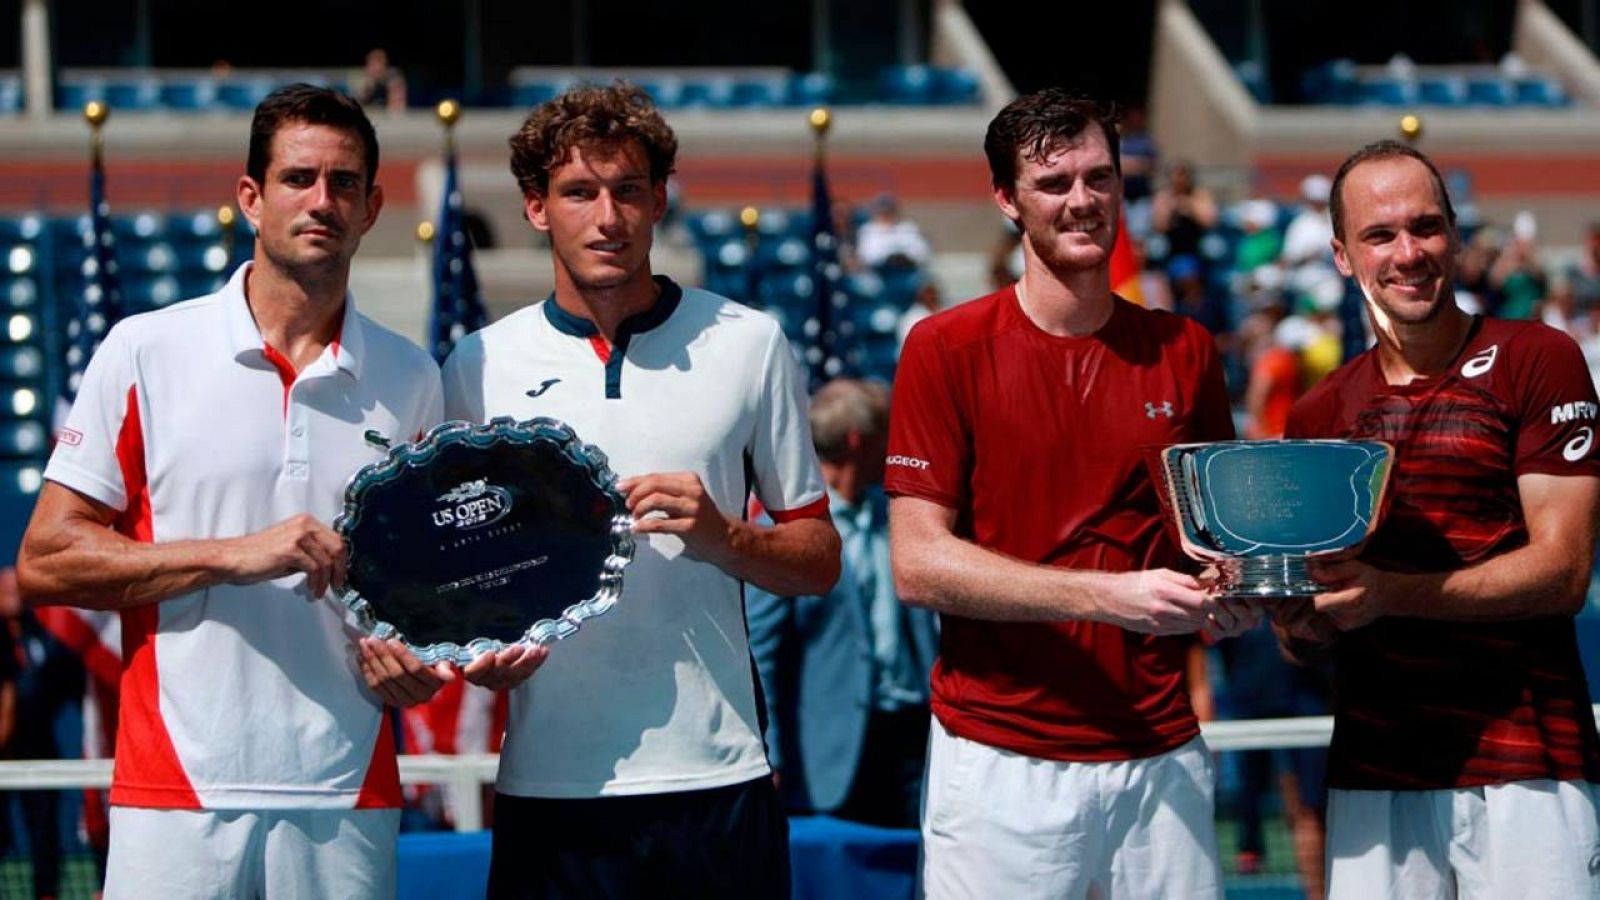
(134, 93)
(1541, 92)
(955, 86)
(714, 91)
(665, 90)
(25, 438)
(908, 85)
(759, 92)
(11, 99)
(1489, 92)
(19, 292)
(142, 292)
(1388, 91)
(811, 89)
(1444, 90)
(243, 93)
(21, 362)
(71, 96)
(189, 94)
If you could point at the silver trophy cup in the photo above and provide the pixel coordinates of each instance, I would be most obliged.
(1260, 511)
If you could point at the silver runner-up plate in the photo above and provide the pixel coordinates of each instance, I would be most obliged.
(477, 537)
(1261, 510)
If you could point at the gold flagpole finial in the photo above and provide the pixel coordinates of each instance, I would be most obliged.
(1411, 127)
(95, 113)
(448, 111)
(750, 217)
(425, 232)
(225, 215)
(821, 120)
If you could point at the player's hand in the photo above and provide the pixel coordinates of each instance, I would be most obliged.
(1231, 617)
(1299, 626)
(1159, 601)
(297, 544)
(395, 674)
(678, 503)
(508, 668)
(1356, 592)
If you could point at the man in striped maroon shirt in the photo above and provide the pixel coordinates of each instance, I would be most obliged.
(1464, 751)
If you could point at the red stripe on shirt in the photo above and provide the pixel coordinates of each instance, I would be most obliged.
(286, 372)
(816, 509)
(381, 789)
(147, 771)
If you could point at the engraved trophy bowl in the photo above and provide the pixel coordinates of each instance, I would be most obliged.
(1260, 511)
(477, 537)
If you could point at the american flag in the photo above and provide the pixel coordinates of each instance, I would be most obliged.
(827, 290)
(99, 304)
(457, 306)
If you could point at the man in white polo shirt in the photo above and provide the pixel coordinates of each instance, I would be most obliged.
(191, 489)
(633, 764)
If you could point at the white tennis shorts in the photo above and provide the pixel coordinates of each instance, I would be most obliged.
(1526, 840)
(1001, 824)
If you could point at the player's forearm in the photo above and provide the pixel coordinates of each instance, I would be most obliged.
(90, 566)
(957, 577)
(787, 559)
(1526, 583)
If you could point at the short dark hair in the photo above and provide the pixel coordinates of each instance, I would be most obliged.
(605, 115)
(1375, 152)
(310, 105)
(1033, 125)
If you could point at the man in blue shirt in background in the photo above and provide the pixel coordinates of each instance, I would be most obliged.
(845, 675)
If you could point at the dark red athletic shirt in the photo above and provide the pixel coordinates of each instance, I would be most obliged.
(1426, 704)
(1037, 443)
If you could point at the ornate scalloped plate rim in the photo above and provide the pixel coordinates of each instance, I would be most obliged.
(498, 430)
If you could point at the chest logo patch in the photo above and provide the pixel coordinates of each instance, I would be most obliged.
(1152, 410)
(1578, 447)
(471, 505)
(1481, 362)
(545, 386)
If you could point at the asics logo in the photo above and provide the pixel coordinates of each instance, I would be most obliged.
(534, 392)
(910, 462)
(1578, 447)
(1151, 410)
(1480, 363)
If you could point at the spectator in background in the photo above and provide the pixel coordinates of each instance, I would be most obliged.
(845, 674)
(924, 303)
(1516, 275)
(1275, 379)
(887, 239)
(1585, 273)
(1261, 244)
(1191, 298)
(378, 82)
(1138, 157)
(1183, 211)
(49, 683)
(1309, 237)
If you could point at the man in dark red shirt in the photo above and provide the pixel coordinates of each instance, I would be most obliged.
(1464, 749)
(1066, 760)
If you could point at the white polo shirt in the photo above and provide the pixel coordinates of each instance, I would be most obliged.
(656, 695)
(240, 696)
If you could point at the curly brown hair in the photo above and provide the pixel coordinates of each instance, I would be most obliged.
(590, 115)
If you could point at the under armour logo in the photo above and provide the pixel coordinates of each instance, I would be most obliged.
(1151, 410)
(534, 392)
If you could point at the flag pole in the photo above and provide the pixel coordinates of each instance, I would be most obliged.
(821, 120)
